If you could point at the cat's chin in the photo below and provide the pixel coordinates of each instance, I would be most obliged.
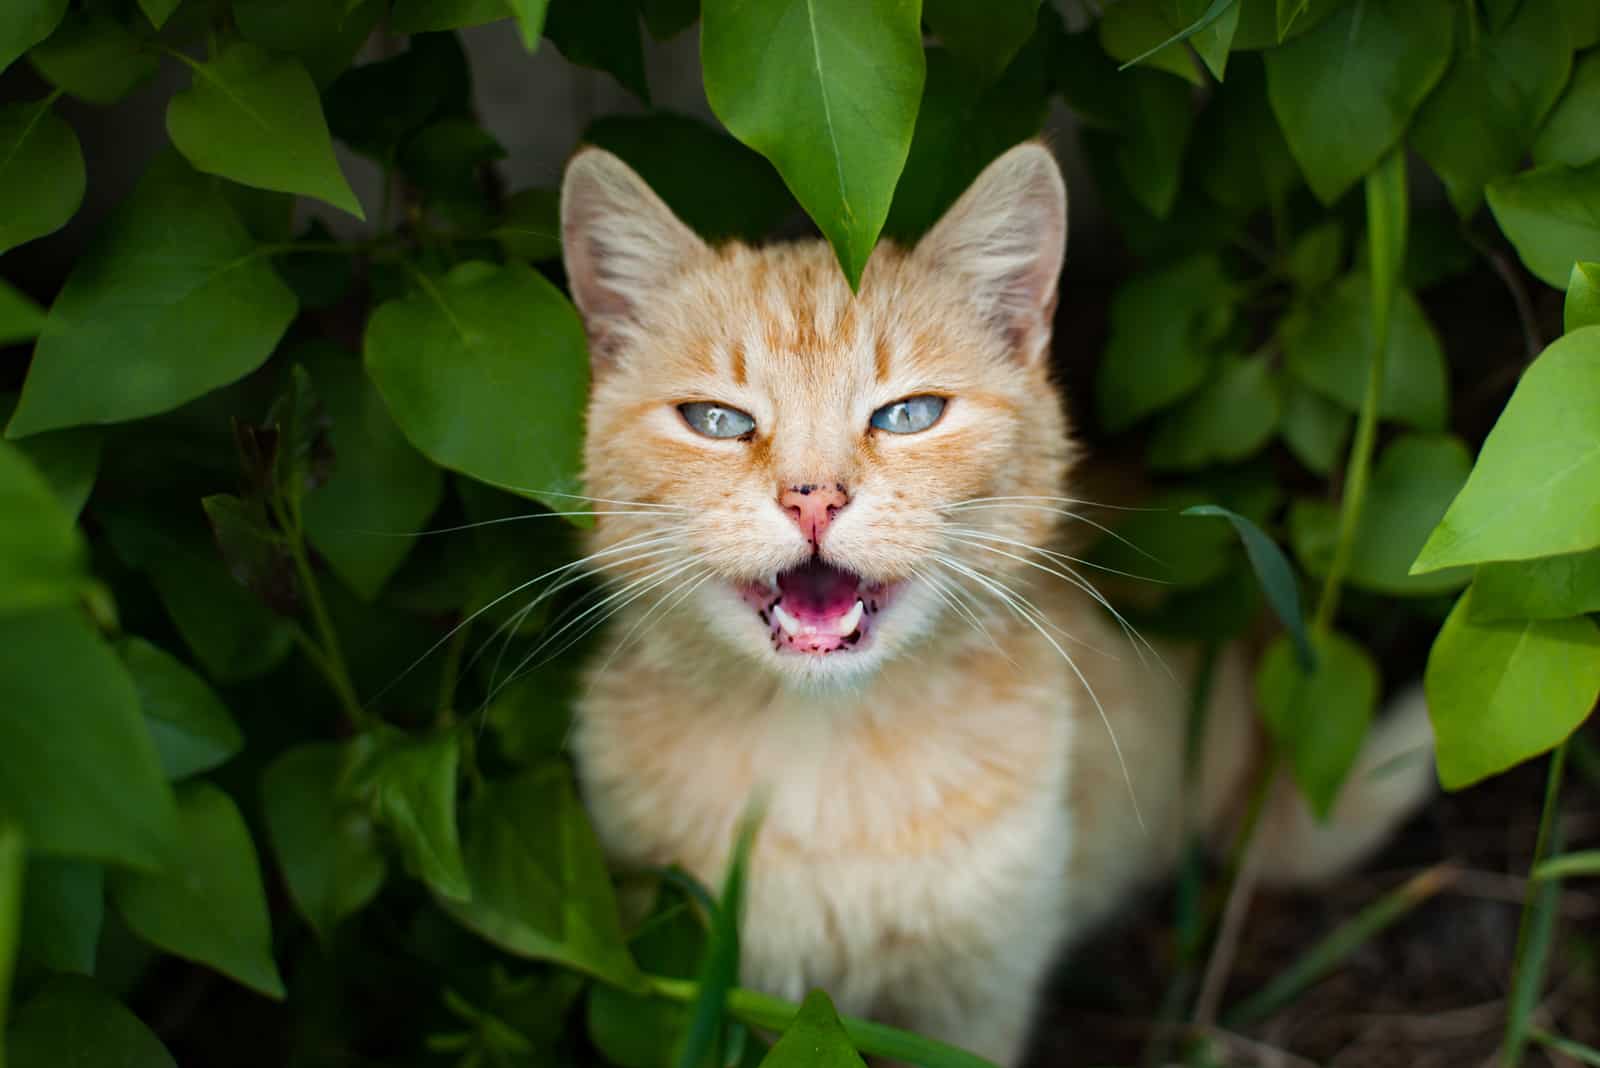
(818, 610)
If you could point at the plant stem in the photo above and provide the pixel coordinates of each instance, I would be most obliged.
(1576, 1050)
(330, 657)
(1538, 922)
(1243, 866)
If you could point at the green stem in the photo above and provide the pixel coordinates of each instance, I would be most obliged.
(1538, 923)
(329, 656)
(1576, 1050)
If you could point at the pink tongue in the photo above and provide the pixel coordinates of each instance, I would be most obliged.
(816, 591)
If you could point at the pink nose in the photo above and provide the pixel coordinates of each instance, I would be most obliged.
(812, 506)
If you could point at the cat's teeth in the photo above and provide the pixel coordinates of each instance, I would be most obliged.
(790, 625)
(851, 619)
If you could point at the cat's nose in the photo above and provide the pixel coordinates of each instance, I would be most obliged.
(812, 505)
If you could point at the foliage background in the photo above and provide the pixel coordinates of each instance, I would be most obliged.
(260, 784)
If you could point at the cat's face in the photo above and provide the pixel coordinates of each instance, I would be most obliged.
(803, 475)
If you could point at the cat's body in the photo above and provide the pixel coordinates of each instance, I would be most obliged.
(813, 612)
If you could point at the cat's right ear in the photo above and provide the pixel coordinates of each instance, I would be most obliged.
(620, 243)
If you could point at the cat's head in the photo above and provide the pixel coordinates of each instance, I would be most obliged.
(810, 478)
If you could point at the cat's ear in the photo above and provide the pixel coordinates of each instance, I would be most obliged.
(1005, 238)
(620, 244)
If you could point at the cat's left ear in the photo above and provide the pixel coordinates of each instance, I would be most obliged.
(1006, 238)
(621, 244)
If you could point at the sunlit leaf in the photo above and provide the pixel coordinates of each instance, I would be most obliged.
(1552, 216)
(1550, 587)
(814, 1039)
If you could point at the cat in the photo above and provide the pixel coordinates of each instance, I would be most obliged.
(822, 508)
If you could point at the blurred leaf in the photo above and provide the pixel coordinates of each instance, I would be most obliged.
(1552, 216)
(381, 492)
(257, 556)
(539, 885)
(1532, 491)
(80, 772)
(1582, 22)
(159, 11)
(41, 172)
(532, 716)
(1586, 862)
(13, 857)
(531, 229)
(1273, 572)
(410, 787)
(486, 373)
(668, 18)
(1583, 297)
(1344, 92)
(1261, 21)
(530, 16)
(713, 183)
(94, 57)
(828, 91)
(170, 302)
(1316, 255)
(1329, 352)
(24, 23)
(985, 38)
(1320, 719)
(1499, 693)
(1230, 416)
(602, 34)
(719, 971)
(1164, 325)
(42, 554)
(63, 907)
(1314, 428)
(20, 318)
(192, 729)
(303, 457)
(1151, 138)
(1137, 30)
(420, 16)
(445, 160)
(1551, 587)
(635, 1030)
(1154, 543)
(1241, 158)
(814, 1039)
(319, 279)
(71, 1021)
(374, 107)
(255, 118)
(69, 460)
(207, 905)
(1480, 122)
(327, 847)
(962, 126)
(324, 36)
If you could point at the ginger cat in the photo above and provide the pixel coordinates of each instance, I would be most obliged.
(833, 525)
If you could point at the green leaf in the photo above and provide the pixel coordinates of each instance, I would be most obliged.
(668, 18)
(1499, 693)
(327, 847)
(256, 555)
(531, 228)
(1412, 485)
(1329, 350)
(12, 861)
(71, 1021)
(1314, 428)
(984, 38)
(192, 729)
(171, 301)
(1532, 491)
(95, 57)
(375, 107)
(1480, 122)
(1583, 297)
(1156, 119)
(410, 787)
(319, 279)
(207, 905)
(639, 1031)
(20, 318)
(446, 160)
(64, 904)
(1229, 417)
(24, 23)
(324, 36)
(1320, 718)
(602, 34)
(486, 372)
(1137, 31)
(233, 636)
(1164, 325)
(1316, 255)
(41, 172)
(963, 125)
(1273, 572)
(1152, 543)
(827, 90)
(69, 460)
(814, 1039)
(719, 972)
(255, 118)
(159, 11)
(1240, 157)
(530, 16)
(539, 885)
(421, 16)
(1552, 216)
(1262, 22)
(1207, 26)
(1586, 862)
(42, 555)
(381, 491)
(713, 183)
(1551, 587)
(80, 773)
(1344, 92)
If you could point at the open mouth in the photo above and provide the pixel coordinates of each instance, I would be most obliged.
(817, 608)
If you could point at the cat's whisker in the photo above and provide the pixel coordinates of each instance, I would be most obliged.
(665, 606)
(459, 527)
(615, 500)
(1015, 602)
(1058, 555)
(1058, 500)
(990, 581)
(1061, 512)
(941, 591)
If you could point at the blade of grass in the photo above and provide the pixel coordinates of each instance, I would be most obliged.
(1211, 14)
(720, 972)
(1321, 959)
(1584, 863)
(1576, 1050)
(1538, 923)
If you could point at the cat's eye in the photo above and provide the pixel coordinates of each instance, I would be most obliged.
(716, 420)
(910, 415)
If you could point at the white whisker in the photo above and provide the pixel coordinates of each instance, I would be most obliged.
(1061, 512)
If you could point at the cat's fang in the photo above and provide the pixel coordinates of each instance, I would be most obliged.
(850, 620)
(790, 625)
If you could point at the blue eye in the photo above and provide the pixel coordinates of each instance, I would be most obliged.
(910, 415)
(716, 420)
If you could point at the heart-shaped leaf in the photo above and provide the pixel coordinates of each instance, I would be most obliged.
(1552, 216)
(192, 729)
(72, 1021)
(24, 23)
(1320, 718)
(41, 173)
